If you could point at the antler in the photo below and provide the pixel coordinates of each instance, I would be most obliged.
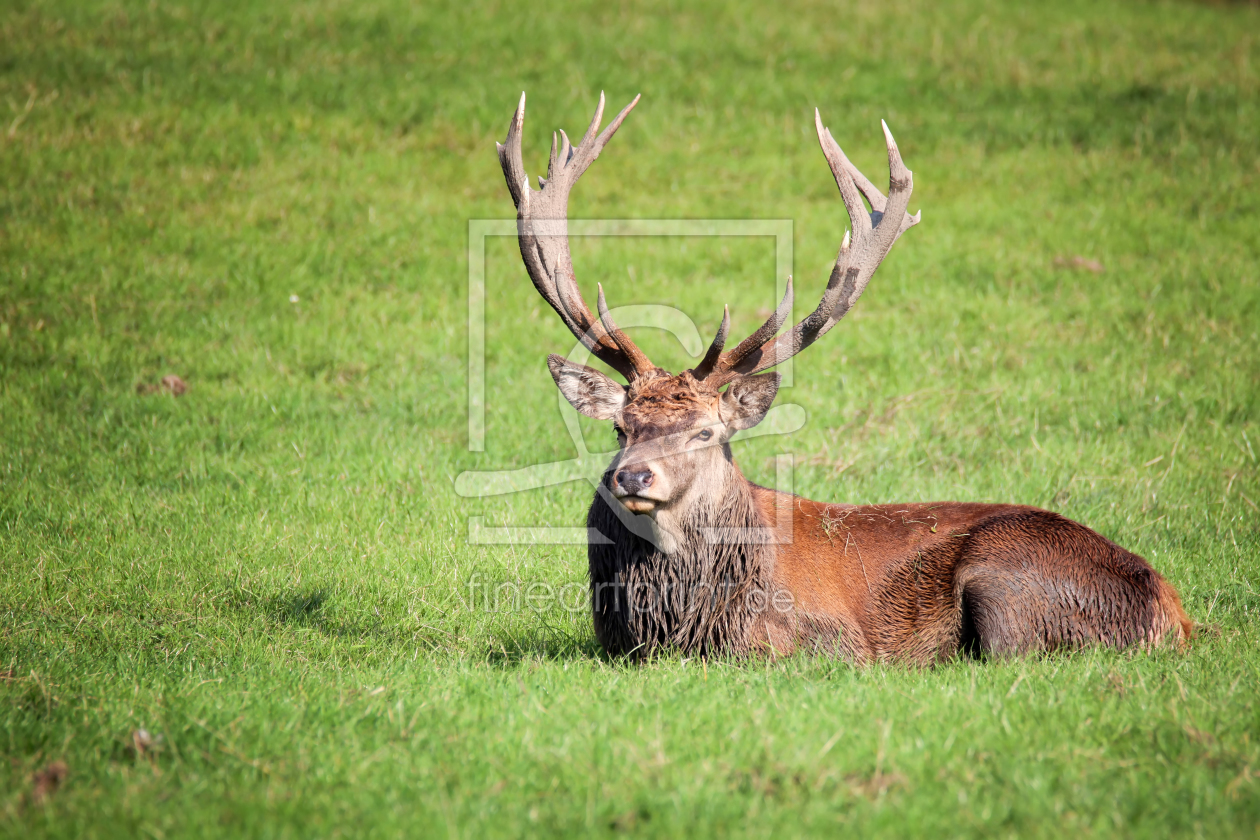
(873, 237)
(543, 231)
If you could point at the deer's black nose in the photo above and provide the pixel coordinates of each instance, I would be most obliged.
(634, 479)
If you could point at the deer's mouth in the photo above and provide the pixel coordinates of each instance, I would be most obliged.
(639, 504)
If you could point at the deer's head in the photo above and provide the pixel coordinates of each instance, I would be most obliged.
(673, 430)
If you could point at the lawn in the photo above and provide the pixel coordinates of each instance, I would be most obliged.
(245, 610)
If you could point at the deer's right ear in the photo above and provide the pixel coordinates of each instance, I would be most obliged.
(748, 400)
(586, 389)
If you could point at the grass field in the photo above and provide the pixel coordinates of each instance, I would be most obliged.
(268, 574)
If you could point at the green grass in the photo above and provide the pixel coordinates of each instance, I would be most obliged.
(268, 573)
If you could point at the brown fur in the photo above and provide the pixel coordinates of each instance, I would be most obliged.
(923, 582)
(916, 582)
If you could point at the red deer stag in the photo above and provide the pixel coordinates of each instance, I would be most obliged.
(699, 559)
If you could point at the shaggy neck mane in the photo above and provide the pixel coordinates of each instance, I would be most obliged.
(702, 598)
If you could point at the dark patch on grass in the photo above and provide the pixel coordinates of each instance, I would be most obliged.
(546, 645)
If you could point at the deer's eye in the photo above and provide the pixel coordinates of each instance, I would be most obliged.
(705, 435)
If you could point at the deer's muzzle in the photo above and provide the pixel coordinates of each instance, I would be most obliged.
(632, 481)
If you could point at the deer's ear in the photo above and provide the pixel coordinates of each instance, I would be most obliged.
(586, 389)
(748, 399)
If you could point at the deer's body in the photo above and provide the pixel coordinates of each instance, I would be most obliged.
(915, 582)
(692, 556)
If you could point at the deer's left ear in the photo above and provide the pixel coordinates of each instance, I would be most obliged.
(747, 400)
(586, 389)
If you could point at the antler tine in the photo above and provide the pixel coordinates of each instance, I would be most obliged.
(510, 156)
(843, 172)
(590, 147)
(763, 334)
(710, 360)
(900, 185)
(636, 356)
(543, 233)
(595, 121)
(873, 236)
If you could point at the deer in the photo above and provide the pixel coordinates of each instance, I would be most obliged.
(688, 555)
